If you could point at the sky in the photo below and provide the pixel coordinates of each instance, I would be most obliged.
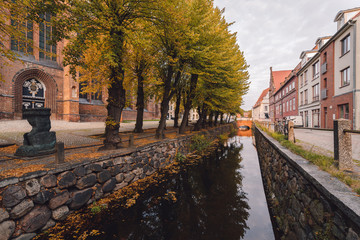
(274, 33)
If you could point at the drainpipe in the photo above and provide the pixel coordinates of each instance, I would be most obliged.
(354, 75)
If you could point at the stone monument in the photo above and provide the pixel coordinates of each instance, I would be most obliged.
(39, 140)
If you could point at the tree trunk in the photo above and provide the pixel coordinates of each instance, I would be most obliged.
(221, 118)
(168, 94)
(216, 118)
(202, 116)
(116, 103)
(203, 124)
(211, 115)
(188, 104)
(140, 105)
(117, 98)
(177, 108)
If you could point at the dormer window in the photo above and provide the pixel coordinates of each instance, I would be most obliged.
(340, 22)
(345, 45)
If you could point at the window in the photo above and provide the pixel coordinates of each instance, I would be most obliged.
(345, 45)
(306, 119)
(24, 45)
(301, 98)
(73, 92)
(266, 108)
(316, 117)
(325, 57)
(293, 85)
(46, 51)
(344, 111)
(325, 82)
(316, 70)
(287, 106)
(306, 96)
(95, 98)
(305, 77)
(284, 109)
(315, 89)
(82, 94)
(294, 107)
(345, 77)
(301, 80)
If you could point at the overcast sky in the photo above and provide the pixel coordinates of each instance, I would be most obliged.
(274, 33)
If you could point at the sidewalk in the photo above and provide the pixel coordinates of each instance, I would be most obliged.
(324, 140)
(71, 133)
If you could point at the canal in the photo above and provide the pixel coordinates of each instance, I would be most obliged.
(221, 197)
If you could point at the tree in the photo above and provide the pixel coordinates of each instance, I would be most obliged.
(140, 58)
(85, 23)
(171, 29)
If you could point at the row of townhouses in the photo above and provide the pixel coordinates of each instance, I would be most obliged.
(324, 86)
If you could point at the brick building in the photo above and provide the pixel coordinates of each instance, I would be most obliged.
(276, 78)
(286, 99)
(339, 79)
(39, 79)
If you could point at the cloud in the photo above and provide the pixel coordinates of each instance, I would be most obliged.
(274, 33)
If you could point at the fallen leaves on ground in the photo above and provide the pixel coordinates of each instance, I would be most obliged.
(18, 172)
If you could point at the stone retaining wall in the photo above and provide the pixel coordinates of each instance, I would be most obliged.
(305, 202)
(36, 201)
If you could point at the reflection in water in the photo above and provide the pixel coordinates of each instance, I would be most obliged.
(205, 201)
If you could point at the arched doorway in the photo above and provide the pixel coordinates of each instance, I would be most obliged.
(33, 94)
(34, 88)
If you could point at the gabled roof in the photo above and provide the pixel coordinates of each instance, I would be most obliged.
(341, 13)
(263, 94)
(279, 77)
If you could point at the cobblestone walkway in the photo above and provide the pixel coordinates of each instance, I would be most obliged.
(324, 141)
(71, 133)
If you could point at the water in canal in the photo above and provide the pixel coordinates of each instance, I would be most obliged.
(220, 198)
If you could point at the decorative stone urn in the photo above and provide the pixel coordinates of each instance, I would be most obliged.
(39, 140)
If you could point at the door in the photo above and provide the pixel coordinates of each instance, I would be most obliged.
(33, 94)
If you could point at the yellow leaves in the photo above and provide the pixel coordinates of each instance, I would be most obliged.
(17, 172)
(171, 196)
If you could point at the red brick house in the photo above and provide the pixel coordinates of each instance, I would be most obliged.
(276, 78)
(286, 97)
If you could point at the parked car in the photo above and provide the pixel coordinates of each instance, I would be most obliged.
(297, 120)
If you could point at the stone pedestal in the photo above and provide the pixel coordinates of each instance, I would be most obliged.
(342, 144)
(291, 135)
(39, 140)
